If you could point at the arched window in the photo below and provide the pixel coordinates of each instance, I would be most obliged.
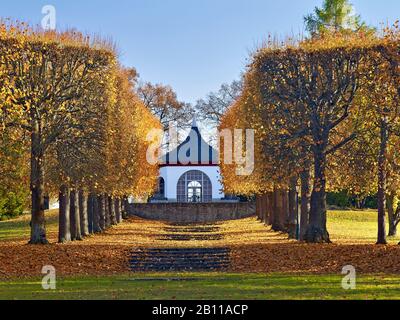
(194, 186)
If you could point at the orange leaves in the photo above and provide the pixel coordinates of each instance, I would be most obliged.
(253, 248)
(306, 258)
(94, 128)
(129, 123)
(316, 94)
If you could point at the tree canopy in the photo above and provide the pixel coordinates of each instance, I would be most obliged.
(312, 103)
(86, 126)
(334, 16)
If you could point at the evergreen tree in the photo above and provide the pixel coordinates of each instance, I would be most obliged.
(334, 16)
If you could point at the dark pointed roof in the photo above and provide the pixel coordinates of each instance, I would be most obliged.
(194, 151)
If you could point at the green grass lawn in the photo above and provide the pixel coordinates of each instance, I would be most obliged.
(13, 229)
(19, 228)
(355, 227)
(344, 226)
(206, 286)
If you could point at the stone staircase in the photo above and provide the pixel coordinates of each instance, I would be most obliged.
(186, 259)
(192, 229)
(183, 259)
(189, 237)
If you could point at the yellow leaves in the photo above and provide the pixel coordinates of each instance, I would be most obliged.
(70, 82)
(129, 122)
(277, 96)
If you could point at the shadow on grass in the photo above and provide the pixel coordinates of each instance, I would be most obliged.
(207, 286)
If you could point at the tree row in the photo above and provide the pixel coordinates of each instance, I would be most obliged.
(67, 95)
(326, 115)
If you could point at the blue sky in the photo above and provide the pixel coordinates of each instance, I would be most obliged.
(192, 45)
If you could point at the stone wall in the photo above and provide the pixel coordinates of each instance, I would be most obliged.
(191, 212)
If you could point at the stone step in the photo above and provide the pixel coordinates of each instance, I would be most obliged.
(180, 258)
(186, 259)
(177, 261)
(194, 225)
(160, 268)
(178, 267)
(184, 250)
(174, 264)
(192, 229)
(188, 237)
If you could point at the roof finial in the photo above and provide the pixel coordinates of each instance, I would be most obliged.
(194, 124)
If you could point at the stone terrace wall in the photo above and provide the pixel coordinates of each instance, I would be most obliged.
(191, 212)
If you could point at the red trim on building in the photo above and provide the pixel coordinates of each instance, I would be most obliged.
(189, 165)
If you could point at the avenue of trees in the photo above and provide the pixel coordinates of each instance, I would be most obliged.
(325, 109)
(69, 109)
(326, 114)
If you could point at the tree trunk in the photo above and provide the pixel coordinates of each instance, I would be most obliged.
(107, 211)
(90, 212)
(118, 213)
(293, 209)
(271, 208)
(72, 210)
(316, 230)
(38, 221)
(265, 201)
(64, 227)
(258, 206)
(278, 223)
(102, 212)
(97, 214)
(305, 202)
(261, 208)
(77, 217)
(111, 203)
(275, 208)
(358, 203)
(122, 209)
(285, 210)
(76, 226)
(125, 206)
(391, 214)
(363, 202)
(83, 209)
(382, 182)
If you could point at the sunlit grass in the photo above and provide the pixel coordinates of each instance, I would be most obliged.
(355, 227)
(200, 286)
(19, 228)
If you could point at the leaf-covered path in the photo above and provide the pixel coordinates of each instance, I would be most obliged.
(252, 248)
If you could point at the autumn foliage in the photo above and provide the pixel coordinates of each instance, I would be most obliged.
(326, 115)
(67, 95)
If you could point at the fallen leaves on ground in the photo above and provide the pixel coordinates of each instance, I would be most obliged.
(254, 248)
(318, 259)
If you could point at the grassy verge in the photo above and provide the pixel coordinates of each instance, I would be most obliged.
(206, 286)
(355, 227)
(17, 229)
